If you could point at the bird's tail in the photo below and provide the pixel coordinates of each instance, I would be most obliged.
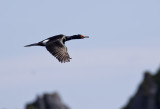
(35, 44)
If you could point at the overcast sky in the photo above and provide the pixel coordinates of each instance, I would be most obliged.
(105, 69)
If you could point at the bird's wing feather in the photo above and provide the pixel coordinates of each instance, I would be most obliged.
(59, 50)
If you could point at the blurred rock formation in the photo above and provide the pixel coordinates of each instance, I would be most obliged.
(148, 93)
(48, 101)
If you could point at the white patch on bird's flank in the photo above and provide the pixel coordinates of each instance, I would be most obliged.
(45, 41)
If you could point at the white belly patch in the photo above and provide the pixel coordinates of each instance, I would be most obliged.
(45, 41)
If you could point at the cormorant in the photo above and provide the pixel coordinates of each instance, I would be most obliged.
(56, 45)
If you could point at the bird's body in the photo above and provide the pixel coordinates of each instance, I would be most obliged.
(56, 46)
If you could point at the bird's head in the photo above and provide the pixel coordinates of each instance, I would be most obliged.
(79, 36)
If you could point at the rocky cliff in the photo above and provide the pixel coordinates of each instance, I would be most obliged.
(48, 101)
(146, 97)
(148, 93)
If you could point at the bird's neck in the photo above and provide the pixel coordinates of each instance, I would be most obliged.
(72, 37)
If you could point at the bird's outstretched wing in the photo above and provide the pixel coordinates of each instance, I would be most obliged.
(59, 50)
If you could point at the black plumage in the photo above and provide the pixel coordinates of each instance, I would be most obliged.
(56, 46)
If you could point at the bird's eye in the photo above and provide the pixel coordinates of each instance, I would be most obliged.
(82, 36)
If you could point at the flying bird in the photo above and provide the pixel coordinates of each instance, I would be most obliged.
(56, 45)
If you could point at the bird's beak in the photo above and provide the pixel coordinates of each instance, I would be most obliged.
(86, 36)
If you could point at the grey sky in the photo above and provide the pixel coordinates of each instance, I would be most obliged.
(105, 69)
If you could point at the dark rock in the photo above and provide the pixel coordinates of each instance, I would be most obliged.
(148, 93)
(48, 101)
